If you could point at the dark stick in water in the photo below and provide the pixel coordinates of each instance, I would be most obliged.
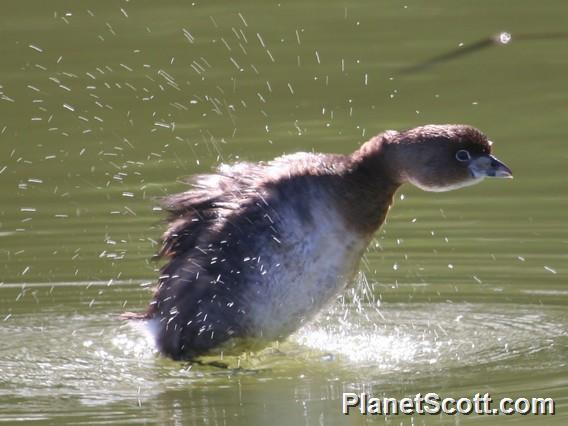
(500, 39)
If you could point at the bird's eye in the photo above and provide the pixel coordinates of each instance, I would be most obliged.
(463, 155)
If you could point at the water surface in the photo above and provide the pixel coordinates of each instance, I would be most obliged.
(104, 106)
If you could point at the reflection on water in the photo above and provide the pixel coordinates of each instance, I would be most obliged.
(96, 360)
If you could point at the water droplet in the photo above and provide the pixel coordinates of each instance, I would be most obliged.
(505, 38)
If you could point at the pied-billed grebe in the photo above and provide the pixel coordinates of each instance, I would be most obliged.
(256, 250)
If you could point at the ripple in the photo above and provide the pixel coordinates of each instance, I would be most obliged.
(73, 356)
(96, 359)
(403, 337)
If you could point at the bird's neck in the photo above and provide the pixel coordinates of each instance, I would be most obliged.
(370, 185)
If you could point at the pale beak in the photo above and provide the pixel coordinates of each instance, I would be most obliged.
(488, 165)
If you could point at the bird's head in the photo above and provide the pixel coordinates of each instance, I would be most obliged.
(444, 157)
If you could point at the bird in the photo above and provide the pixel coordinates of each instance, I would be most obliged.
(255, 250)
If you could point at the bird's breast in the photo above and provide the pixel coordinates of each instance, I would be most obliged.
(304, 271)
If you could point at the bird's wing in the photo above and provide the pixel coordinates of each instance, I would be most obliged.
(202, 210)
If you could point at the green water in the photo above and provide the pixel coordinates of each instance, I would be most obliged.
(103, 105)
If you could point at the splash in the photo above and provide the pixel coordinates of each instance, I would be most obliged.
(409, 336)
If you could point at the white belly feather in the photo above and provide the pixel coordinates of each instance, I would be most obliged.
(314, 265)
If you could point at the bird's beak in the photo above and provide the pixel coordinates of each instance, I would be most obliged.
(488, 165)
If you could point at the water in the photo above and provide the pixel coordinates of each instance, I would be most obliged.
(103, 107)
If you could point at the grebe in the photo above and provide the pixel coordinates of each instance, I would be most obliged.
(256, 250)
